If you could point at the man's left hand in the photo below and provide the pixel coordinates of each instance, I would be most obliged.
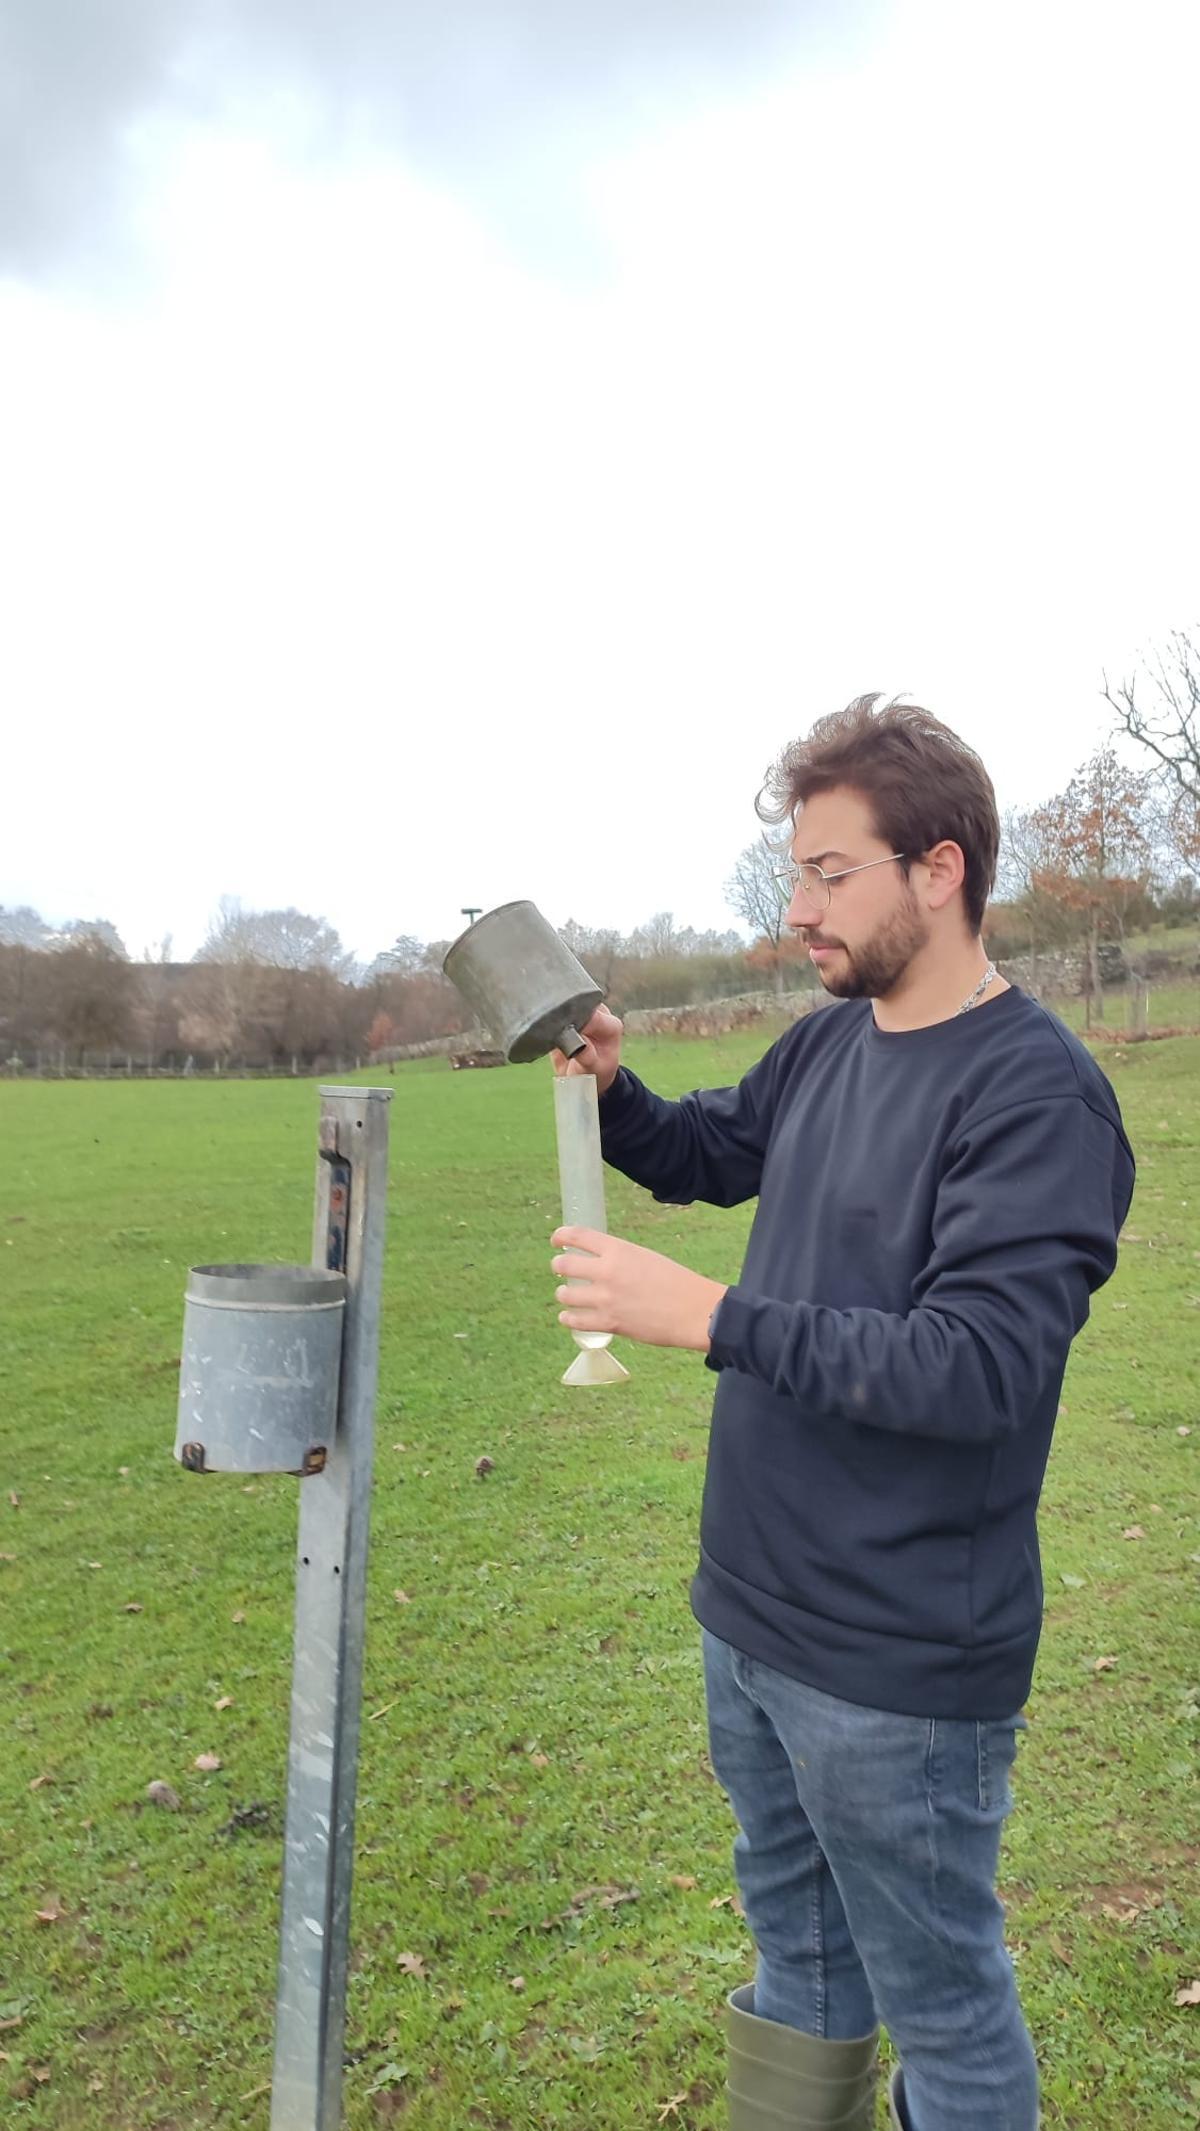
(633, 1292)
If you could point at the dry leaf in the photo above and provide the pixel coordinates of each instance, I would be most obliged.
(207, 1763)
(14, 1498)
(411, 1964)
(484, 1466)
(539, 1760)
(96, 2083)
(1056, 1947)
(50, 1912)
(402, 1598)
(1183, 1431)
(226, 1702)
(1190, 1994)
(686, 1880)
(95, 1564)
(133, 1607)
(1104, 1664)
(516, 1983)
(671, 2106)
(237, 1619)
(1133, 1531)
(160, 1793)
(39, 1782)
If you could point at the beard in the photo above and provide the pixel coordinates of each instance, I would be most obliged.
(874, 969)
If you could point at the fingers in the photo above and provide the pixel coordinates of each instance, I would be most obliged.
(588, 1239)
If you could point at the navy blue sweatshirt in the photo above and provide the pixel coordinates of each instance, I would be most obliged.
(935, 1209)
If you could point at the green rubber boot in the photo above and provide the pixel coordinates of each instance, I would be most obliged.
(783, 2080)
(897, 2120)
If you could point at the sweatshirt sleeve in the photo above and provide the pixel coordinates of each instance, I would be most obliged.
(710, 1145)
(1025, 1229)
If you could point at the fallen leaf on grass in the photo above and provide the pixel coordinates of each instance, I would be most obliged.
(1178, 1431)
(1190, 1994)
(1073, 1583)
(1133, 1531)
(1105, 1664)
(1058, 1949)
(484, 1465)
(611, 1897)
(671, 2106)
(685, 1880)
(402, 1598)
(206, 1763)
(392, 2075)
(14, 1498)
(539, 1760)
(411, 1964)
(39, 1782)
(226, 1702)
(516, 1983)
(51, 1912)
(133, 1607)
(160, 1793)
(237, 1619)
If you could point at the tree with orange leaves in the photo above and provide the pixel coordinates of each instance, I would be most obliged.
(1097, 840)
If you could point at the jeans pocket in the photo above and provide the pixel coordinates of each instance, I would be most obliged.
(995, 1752)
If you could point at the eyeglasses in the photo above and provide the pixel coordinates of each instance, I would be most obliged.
(817, 887)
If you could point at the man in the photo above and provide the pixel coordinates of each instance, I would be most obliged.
(941, 1175)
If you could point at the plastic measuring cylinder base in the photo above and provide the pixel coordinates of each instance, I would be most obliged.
(595, 1365)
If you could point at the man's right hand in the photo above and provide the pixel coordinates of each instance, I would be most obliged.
(601, 1053)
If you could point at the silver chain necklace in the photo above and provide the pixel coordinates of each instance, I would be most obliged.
(979, 990)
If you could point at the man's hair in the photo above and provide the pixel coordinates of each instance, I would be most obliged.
(922, 783)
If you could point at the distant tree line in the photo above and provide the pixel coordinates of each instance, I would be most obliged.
(1115, 852)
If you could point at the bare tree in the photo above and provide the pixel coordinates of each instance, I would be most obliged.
(1038, 918)
(1160, 709)
(23, 927)
(93, 995)
(757, 894)
(275, 939)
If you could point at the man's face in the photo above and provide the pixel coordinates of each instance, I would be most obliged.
(863, 943)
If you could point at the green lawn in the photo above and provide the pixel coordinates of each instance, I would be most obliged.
(542, 1933)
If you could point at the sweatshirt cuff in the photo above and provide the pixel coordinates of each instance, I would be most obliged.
(619, 1097)
(745, 1333)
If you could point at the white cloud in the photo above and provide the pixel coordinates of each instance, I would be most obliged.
(364, 569)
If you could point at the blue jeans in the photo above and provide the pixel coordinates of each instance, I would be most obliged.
(866, 1860)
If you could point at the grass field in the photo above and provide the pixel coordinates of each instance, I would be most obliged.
(543, 1932)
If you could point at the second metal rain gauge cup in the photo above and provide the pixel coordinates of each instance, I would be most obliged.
(524, 984)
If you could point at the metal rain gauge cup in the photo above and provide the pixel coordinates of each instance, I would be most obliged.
(523, 983)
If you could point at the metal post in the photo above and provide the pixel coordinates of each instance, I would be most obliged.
(331, 1565)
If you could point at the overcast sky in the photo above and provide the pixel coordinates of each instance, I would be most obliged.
(446, 452)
